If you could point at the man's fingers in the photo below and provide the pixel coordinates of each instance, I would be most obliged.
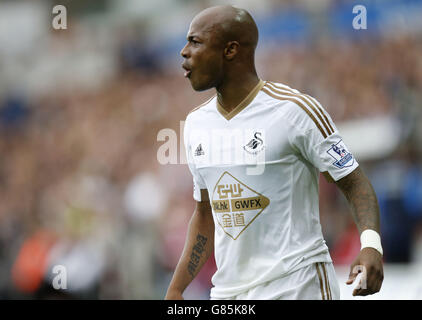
(359, 288)
(361, 292)
(364, 288)
(352, 275)
(373, 285)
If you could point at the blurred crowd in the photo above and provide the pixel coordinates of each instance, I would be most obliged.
(81, 186)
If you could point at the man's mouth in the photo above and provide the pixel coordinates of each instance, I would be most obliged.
(188, 71)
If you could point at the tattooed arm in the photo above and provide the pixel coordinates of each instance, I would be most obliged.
(198, 247)
(361, 197)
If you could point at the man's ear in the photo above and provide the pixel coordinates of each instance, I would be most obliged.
(231, 50)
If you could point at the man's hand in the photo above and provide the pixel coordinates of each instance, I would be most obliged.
(173, 295)
(369, 263)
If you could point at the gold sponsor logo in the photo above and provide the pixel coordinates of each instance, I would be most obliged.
(236, 205)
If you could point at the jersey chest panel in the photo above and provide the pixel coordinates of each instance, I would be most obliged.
(247, 140)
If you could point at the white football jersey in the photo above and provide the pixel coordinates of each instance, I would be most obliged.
(260, 164)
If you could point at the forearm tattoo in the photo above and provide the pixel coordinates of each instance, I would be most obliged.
(196, 255)
(362, 198)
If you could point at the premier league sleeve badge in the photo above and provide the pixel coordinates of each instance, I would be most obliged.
(342, 157)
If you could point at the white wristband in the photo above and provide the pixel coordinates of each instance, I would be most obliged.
(371, 239)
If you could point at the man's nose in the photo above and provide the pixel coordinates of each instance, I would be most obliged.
(184, 52)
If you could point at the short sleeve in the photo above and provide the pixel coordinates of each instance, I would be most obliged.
(318, 140)
(198, 182)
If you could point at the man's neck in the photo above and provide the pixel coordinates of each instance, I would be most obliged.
(232, 93)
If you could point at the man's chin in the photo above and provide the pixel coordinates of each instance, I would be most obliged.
(199, 87)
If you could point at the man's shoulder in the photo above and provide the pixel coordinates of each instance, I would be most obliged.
(300, 109)
(280, 87)
(286, 99)
(279, 92)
